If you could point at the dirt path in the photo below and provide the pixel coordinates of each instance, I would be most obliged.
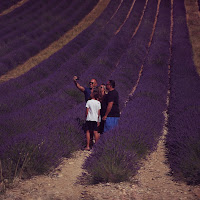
(155, 183)
(61, 184)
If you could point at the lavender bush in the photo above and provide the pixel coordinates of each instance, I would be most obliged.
(133, 58)
(113, 162)
(32, 153)
(62, 135)
(43, 89)
(23, 15)
(49, 66)
(111, 58)
(29, 154)
(17, 125)
(183, 137)
(6, 4)
(142, 119)
(37, 12)
(46, 35)
(56, 106)
(48, 23)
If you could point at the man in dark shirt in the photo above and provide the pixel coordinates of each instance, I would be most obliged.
(86, 90)
(112, 111)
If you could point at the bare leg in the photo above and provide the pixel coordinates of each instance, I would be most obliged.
(88, 140)
(91, 138)
(97, 136)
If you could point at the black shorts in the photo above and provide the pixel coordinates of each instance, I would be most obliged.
(91, 125)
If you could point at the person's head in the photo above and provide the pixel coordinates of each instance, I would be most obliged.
(102, 88)
(95, 94)
(93, 83)
(110, 85)
(102, 91)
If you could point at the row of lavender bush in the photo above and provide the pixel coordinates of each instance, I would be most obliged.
(80, 62)
(50, 65)
(19, 12)
(129, 143)
(29, 11)
(19, 25)
(6, 4)
(116, 157)
(108, 61)
(28, 33)
(24, 30)
(17, 51)
(15, 160)
(73, 111)
(183, 139)
(33, 153)
(46, 110)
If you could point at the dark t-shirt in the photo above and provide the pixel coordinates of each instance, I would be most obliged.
(113, 96)
(87, 93)
(103, 105)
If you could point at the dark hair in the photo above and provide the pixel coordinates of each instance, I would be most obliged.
(95, 93)
(112, 83)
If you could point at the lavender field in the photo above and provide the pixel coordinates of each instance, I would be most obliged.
(6, 4)
(143, 45)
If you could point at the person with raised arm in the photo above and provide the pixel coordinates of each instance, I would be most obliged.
(87, 93)
(86, 90)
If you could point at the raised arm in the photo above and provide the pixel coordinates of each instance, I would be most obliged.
(81, 88)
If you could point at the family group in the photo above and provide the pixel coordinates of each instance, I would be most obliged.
(102, 108)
